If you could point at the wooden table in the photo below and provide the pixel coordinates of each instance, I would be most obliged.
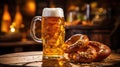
(30, 59)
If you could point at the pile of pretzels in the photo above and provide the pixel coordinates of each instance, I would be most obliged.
(78, 48)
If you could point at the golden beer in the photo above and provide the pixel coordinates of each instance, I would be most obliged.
(52, 30)
(53, 34)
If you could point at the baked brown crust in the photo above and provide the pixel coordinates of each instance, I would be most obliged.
(79, 49)
(103, 50)
(84, 54)
(76, 41)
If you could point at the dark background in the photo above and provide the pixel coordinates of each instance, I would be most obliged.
(113, 7)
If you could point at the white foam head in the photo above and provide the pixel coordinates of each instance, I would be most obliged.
(54, 12)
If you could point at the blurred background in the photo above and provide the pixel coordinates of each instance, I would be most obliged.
(98, 19)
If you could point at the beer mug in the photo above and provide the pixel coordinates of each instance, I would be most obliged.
(52, 32)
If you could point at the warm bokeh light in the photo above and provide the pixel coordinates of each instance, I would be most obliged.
(12, 29)
(94, 5)
(6, 20)
(30, 7)
(73, 7)
(18, 18)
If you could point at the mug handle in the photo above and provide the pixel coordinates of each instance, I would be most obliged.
(32, 28)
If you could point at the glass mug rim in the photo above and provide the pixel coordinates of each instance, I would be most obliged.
(54, 12)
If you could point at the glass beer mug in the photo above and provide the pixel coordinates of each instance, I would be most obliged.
(52, 32)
